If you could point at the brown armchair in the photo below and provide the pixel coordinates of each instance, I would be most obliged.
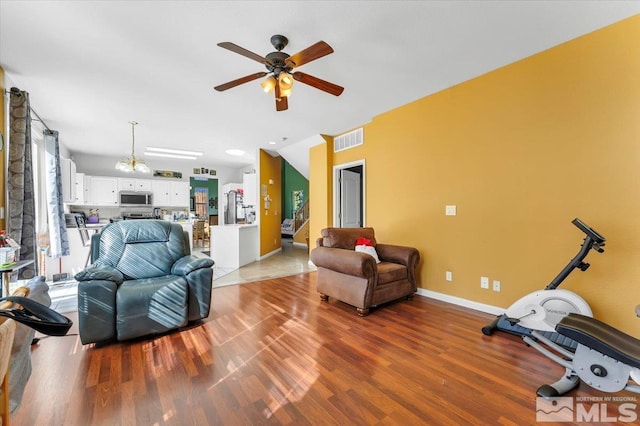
(354, 277)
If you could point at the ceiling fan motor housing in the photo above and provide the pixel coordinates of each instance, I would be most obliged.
(280, 65)
(277, 59)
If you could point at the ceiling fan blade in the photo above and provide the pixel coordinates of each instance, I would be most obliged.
(309, 54)
(281, 101)
(318, 83)
(240, 81)
(244, 52)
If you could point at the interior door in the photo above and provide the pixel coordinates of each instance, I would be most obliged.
(350, 195)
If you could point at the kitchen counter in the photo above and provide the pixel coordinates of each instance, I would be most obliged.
(233, 246)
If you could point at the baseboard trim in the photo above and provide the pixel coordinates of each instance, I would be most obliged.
(297, 244)
(276, 251)
(476, 306)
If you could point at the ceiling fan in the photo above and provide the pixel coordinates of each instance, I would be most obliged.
(279, 68)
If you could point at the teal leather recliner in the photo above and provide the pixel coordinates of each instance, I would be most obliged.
(143, 280)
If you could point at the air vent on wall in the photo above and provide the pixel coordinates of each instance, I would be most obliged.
(348, 140)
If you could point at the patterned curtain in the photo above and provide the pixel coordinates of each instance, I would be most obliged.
(58, 239)
(21, 202)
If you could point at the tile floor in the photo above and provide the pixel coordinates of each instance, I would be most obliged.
(292, 260)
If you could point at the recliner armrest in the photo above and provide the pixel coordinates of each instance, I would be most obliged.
(187, 264)
(101, 273)
(407, 256)
(345, 261)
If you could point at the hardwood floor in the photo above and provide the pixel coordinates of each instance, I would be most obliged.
(272, 353)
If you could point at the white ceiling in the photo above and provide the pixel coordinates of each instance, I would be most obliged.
(91, 67)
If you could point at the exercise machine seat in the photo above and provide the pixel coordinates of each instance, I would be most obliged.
(601, 337)
(144, 281)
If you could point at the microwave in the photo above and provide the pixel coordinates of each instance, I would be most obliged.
(130, 198)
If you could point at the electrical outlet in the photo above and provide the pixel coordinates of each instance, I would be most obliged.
(496, 285)
(484, 282)
(450, 210)
(448, 276)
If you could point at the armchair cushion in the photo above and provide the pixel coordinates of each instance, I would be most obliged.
(150, 306)
(187, 264)
(346, 238)
(104, 273)
(389, 272)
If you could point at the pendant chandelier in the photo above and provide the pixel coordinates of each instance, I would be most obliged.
(130, 164)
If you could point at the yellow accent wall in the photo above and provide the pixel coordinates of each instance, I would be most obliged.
(320, 189)
(521, 151)
(2, 152)
(302, 234)
(270, 176)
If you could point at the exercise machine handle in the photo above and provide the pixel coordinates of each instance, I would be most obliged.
(597, 238)
(593, 240)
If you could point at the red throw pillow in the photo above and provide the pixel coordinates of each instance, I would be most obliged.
(363, 242)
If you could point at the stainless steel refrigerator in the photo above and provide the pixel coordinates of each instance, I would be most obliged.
(230, 212)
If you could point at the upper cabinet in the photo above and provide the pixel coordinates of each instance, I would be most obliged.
(170, 193)
(131, 184)
(103, 191)
(81, 190)
(161, 190)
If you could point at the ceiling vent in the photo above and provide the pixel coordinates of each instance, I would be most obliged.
(348, 140)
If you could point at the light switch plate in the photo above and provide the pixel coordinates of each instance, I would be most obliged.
(450, 210)
(484, 282)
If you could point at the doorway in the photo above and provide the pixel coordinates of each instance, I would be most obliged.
(204, 198)
(349, 195)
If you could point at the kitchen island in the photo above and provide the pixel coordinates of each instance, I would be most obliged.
(233, 246)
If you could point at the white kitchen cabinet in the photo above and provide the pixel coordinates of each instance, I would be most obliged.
(125, 184)
(161, 190)
(170, 193)
(249, 186)
(86, 181)
(68, 176)
(143, 185)
(80, 189)
(131, 184)
(103, 191)
(180, 194)
(233, 246)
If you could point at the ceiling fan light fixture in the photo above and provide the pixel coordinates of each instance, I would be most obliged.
(285, 92)
(268, 84)
(285, 81)
(131, 164)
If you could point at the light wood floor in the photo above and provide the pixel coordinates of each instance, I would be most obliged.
(272, 353)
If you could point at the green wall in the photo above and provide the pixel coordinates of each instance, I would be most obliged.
(292, 180)
(210, 184)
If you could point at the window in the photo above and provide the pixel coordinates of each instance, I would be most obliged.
(201, 196)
